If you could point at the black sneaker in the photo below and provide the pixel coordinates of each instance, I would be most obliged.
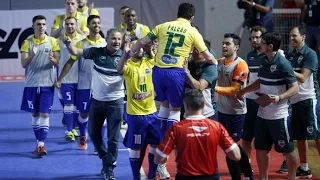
(283, 169)
(109, 175)
(303, 174)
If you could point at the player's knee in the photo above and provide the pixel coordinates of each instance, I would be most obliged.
(175, 108)
(165, 104)
(44, 115)
(134, 153)
(84, 115)
(68, 109)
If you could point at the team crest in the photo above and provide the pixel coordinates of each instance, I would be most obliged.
(281, 143)
(147, 71)
(46, 50)
(116, 61)
(273, 68)
(310, 129)
(300, 59)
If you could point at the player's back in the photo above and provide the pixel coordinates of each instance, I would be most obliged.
(201, 133)
(176, 40)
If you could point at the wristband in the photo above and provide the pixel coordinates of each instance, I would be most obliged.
(187, 71)
(253, 4)
(280, 98)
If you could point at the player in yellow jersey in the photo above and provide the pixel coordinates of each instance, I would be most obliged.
(58, 28)
(122, 12)
(143, 125)
(86, 10)
(133, 28)
(176, 40)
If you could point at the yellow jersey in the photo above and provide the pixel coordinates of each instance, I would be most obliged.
(81, 22)
(54, 44)
(86, 12)
(139, 86)
(176, 40)
(140, 31)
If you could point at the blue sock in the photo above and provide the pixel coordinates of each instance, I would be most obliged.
(43, 129)
(135, 167)
(75, 119)
(83, 125)
(152, 166)
(68, 117)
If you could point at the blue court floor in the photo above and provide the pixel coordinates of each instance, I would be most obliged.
(64, 160)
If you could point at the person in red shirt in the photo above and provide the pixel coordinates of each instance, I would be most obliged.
(196, 140)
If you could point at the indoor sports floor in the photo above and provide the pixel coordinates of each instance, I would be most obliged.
(65, 160)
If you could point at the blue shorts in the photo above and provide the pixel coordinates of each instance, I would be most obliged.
(125, 111)
(37, 99)
(83, 100)
(142, 129)
(68, 92)
(233, 124)
(169, 84)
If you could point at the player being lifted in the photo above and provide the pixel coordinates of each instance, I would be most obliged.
(176, 40)
(85, 75)
(143, 125)
(39, 56)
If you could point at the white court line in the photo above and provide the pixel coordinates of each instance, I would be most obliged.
(142, 173)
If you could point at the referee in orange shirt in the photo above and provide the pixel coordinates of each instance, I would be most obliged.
(196, 131)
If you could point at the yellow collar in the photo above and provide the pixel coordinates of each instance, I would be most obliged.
(74, 38)
(38, 41)
(98, 41)
(77, 16)
(183, 20)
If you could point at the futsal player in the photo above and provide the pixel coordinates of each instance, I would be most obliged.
(69, 82)
(84, 75)
(86, 10)
(276, 84)
(232, 76)
(39, 57)
(58, 28)
(304, 118)
(176, 39)
(143, 125)
(252, 107)
(133, 28)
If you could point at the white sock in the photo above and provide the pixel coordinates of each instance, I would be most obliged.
(175, 115)
(304, 166)
(40, 143)
(163, 112)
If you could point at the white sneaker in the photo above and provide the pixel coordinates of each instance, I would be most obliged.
(163, 172)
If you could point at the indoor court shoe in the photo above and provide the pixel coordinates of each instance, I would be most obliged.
(41, 151)
(108, 174)
(83, 143)
(69, 136)
(303, 174)
(283, 169)
(75, 133)
(163, 172)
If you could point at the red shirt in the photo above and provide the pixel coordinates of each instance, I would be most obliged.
(196, 140)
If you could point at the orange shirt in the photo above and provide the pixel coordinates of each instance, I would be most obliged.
(196, 139)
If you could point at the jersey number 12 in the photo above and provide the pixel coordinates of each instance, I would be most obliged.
(171, 46)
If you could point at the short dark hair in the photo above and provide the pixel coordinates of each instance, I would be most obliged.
(272, 38)
(38, 17)
(302, 30)
(186, 11)
(124, 7)
(112, 30)
(194, 99)
(91, 17)
(235, 38)
(208, 43)
(258, 28)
